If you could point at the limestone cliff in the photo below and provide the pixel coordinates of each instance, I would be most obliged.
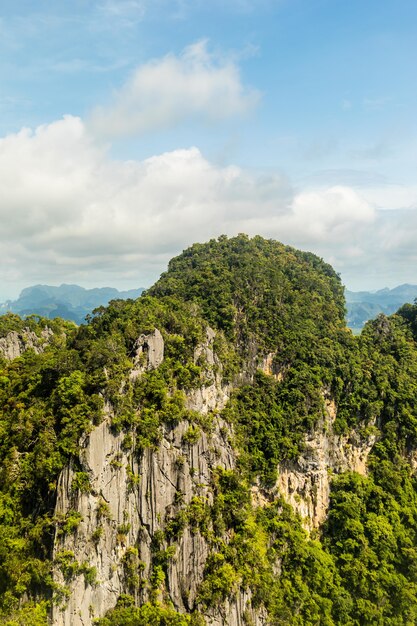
(222, 451)
(305, 484)
(128, 500)
(14, 344)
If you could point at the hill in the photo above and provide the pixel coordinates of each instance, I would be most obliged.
(220, 451)
(365, 305)
(70, 302)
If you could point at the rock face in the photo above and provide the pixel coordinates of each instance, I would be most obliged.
(15, 344)
(269, 367)
(129, 499)
(120, 503)
(149, 353)
(305, 484)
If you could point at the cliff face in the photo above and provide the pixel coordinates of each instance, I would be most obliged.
(14, 344)
(129, 500)
(129, 516)
(305, 483)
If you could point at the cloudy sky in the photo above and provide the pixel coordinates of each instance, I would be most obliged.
(130, 129)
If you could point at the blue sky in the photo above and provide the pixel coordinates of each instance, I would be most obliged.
(130, 129)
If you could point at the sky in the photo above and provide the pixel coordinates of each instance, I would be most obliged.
(130, 129)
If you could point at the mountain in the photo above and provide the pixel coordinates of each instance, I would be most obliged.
(365, 305)
(69, 302)
(220, 451)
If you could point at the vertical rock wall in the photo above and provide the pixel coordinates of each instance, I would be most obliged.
(305, 484)
(129, 500)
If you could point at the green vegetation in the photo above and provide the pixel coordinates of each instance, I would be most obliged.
(147, 615)
(257, 290)
(271, 307)
(271, 420)
(30, 615)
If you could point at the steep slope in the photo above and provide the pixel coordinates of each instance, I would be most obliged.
(220, 451)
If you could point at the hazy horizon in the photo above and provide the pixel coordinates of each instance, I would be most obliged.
(15, 295)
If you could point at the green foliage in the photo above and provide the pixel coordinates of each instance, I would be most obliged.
(256, 289)
(220, 582)
(81, 482)
(97, 534)
(71, 568)
(268, 299)
(132, 567)
(371, 530)
(29, 615)
(409, 313)
(271, 419)
(10, 322)
(265, 301)
(373, 540)
(71, 522)
(146, 615)
(191, 435)
(308, 589)
(103, 510)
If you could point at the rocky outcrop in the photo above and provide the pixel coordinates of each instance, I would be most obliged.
(148, 353)
(212, 395)
(114, 506)
(122, 503)
(305, 484)
(270, 367)
(14, 344)
(127, 502)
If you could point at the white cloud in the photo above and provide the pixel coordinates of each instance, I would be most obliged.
(330, 212)
(167, 91)
(392, 196)
(70, 213)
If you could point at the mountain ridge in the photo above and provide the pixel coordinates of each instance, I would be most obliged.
(68, 301)
(365, 305)
(74, 303)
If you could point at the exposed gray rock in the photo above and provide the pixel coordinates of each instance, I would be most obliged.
(149, 353)
(212, 395)
(237, 613)
(14, 344)
(269, 367)
(305, 484)
(131, 498)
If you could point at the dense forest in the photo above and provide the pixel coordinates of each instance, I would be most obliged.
(263, 300)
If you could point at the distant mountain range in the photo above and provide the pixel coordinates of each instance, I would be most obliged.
(71, 302)
(365, 305)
